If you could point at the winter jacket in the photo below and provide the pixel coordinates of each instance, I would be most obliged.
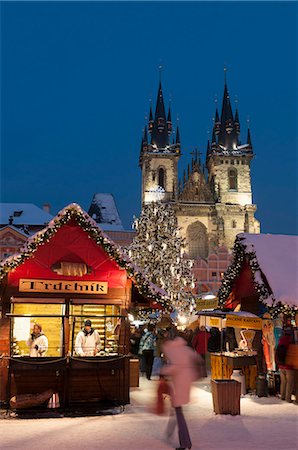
(181, 367)
(200, 341)
(38, 344)
(284, 343)
(147, 342)
(87, 344)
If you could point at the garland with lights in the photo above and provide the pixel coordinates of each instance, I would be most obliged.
(75, 212)
(241, 254)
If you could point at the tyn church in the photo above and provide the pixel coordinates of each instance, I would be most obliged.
(213, 201)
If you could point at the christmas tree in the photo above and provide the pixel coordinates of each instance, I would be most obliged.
(158, 250)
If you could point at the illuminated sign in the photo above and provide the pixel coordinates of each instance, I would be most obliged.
(253, 323)
(206, 304)
(56, 286)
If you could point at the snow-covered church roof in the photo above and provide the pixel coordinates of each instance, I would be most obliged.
(104, 211)
(23, 214)
(274, 257)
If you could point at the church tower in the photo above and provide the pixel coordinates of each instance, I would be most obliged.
(212, 202)
(158, 157)
(228, 163)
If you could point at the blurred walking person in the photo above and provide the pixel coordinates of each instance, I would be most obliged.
(181, 367)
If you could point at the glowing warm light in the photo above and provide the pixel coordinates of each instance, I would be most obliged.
(182, 319)
(208, 296)
(130, 317)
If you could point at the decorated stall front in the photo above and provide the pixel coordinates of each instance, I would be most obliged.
(64, 303)
(236, 350)
(262, 279)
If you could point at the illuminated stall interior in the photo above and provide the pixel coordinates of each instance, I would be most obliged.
(67, 273)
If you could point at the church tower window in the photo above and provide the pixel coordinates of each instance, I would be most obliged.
(232, 179)
(161, 178)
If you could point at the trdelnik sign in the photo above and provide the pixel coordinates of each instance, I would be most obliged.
(56, 286)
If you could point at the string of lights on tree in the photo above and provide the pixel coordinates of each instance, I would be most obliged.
(241, 255)
(75, 212)
(157, 249)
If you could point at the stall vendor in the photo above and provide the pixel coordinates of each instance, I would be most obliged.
(37, 342)
(87, 341)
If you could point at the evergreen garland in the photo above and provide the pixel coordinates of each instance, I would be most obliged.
(240, 255)
(75, 212)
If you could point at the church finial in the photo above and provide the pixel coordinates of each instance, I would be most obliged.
(160, 71)
(227, 136)
(177, 135)
(225, 73)
(151, 121)
(248, 134)
(159, 130)
(169, 121)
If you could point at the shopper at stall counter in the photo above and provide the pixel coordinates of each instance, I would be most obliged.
(87, 341)
(38, 342)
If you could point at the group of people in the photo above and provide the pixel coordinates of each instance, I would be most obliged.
(87, 341)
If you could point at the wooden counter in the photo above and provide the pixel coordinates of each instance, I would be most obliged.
(103, 380)
(222, 368)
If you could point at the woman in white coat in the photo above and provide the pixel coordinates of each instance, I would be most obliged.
(182, 363)
(87, 341)
(37, 342)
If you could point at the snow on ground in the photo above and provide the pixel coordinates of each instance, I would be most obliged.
(264, 423)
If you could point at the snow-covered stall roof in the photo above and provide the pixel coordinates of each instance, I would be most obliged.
(104, 211)
(273, 260)
(23, 214)
(277, 256)
(74, 211)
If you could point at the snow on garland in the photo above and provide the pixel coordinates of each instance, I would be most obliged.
(245, 252)
(240, 254)
(74, 211)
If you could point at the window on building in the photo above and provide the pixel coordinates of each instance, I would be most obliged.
(213, 274)
(161, 178)
(238, 162)
(197, 240)
(232, 173)
(234, 224)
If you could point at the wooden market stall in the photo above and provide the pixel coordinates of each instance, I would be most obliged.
(69, 272)
(262, 279)
(244, 357)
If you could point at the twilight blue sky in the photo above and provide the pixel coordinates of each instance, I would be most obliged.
(76, 80)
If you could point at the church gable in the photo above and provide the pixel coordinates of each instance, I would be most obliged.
(194, 188)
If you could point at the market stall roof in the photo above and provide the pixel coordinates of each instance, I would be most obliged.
(75, 221)
(273, 260)
(239, 319)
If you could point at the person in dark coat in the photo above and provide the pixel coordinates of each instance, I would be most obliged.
(287, 373)
(200, 341)
(214, 340)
